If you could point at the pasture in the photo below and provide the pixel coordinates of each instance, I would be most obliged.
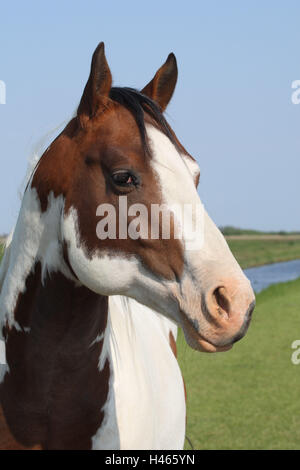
(248, 397)
(258, 250)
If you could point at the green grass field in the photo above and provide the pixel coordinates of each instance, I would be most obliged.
(249, 397)
(259, 251)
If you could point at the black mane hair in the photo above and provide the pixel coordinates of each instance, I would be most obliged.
(139, 104)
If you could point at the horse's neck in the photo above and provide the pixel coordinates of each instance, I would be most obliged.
(63, 349)
(39, 291)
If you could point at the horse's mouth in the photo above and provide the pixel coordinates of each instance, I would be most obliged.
(197, 341)
(206, 346)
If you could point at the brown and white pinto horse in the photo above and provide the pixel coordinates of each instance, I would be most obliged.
(90, 325)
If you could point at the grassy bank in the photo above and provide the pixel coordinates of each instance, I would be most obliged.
(230, 230)
(259, 251)
(248, 398)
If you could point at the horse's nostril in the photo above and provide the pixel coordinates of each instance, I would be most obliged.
(222, 299)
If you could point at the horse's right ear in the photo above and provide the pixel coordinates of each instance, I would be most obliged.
(161, 87)
(98, 86)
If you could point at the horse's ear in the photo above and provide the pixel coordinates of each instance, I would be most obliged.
(98, 86)
(161, 87)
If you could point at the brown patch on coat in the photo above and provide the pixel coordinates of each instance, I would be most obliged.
(54, 393)
(7, 440)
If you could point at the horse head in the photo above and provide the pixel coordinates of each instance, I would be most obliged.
(98, 186)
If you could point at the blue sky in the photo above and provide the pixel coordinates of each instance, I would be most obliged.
(231, 109)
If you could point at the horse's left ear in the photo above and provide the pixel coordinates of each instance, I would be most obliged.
(98, 86)
(162, 86)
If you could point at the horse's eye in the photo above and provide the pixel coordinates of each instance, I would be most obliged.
(124, 178)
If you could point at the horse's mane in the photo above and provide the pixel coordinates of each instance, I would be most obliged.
(139, 104)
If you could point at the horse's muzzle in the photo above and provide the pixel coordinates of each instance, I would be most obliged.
(224, 318)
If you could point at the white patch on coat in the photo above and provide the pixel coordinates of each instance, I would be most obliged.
(147, 403)
(109, 273)
(192, 166)
(175, 173)
(36, 237)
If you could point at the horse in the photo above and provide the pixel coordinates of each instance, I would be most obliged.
(90, 323)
